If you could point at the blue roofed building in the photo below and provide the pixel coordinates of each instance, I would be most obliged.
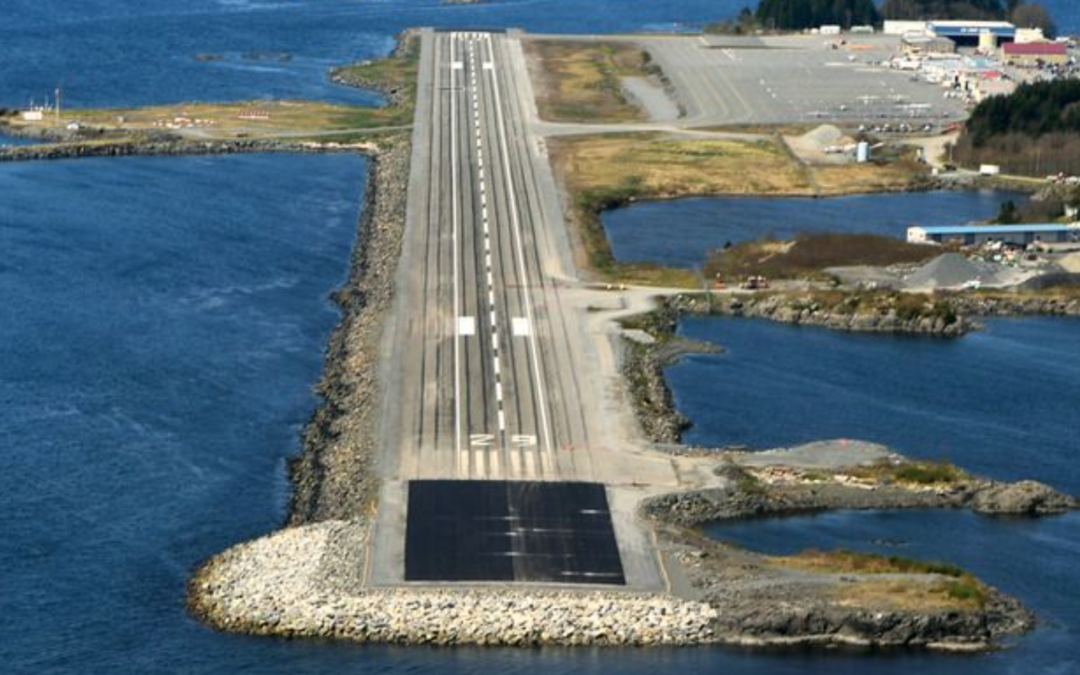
(970, 33)
(975, 235)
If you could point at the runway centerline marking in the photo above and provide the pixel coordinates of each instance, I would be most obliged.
(519, 247)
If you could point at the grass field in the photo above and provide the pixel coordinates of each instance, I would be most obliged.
(580, 82)
(255, 119)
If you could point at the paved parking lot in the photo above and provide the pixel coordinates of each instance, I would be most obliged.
(730, 80)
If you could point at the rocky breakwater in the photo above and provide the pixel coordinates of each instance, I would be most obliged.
(650, 345)
(166, 146)
(879, 313)
(844, 598)
(334, 478)
(1045, 303)
(303, 582)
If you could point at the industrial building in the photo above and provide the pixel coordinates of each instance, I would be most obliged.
(973, 235)
(1032, 54)
(985, 34)
(922, 43)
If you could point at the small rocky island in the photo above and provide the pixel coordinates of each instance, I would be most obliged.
(842, 597)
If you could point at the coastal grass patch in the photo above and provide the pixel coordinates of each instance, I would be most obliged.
(907, 582)
(604, 172)
(919, 473)
(581, 81)
(843, 561)
(890, 176)
(913, 595)
(809, 255)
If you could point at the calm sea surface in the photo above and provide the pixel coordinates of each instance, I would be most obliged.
(680, 233)
(163, 321)
(999, 402)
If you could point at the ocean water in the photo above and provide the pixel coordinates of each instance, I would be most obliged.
(998, 402)
(701, 225)
(1031, 559)
(15, 140)
(163, 321)
(126, 52)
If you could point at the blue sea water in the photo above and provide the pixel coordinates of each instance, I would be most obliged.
(126, 52)
(1033, 560)
(682, 232)
(162, 323)
(999, 402)
(15, 140)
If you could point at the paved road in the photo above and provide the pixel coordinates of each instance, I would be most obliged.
(487, 384)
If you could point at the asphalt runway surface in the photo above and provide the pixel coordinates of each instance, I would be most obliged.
(486, 375)
(553, 532)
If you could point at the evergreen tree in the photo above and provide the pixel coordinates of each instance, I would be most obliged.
(802, 14)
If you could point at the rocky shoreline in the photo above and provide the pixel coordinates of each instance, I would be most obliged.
(766, 600)
(1005, 305)
(744, 496)
(168, 147)
(950, 316)
(333, 477)
(760, 604)
(808, 310)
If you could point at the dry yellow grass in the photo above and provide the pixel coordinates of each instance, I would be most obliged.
(579, 81)
(663, 166)
(913, 595)
(860, 178)
(253, 119)
(901, 582)
(600, 172)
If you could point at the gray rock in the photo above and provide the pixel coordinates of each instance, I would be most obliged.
(1024, 498)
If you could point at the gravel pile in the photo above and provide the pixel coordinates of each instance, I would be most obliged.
(823, 137)
(952, 270)
(1070, 263)
(283, 585)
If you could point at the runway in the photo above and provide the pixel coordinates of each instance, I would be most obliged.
(490, 371)
(487, 371)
